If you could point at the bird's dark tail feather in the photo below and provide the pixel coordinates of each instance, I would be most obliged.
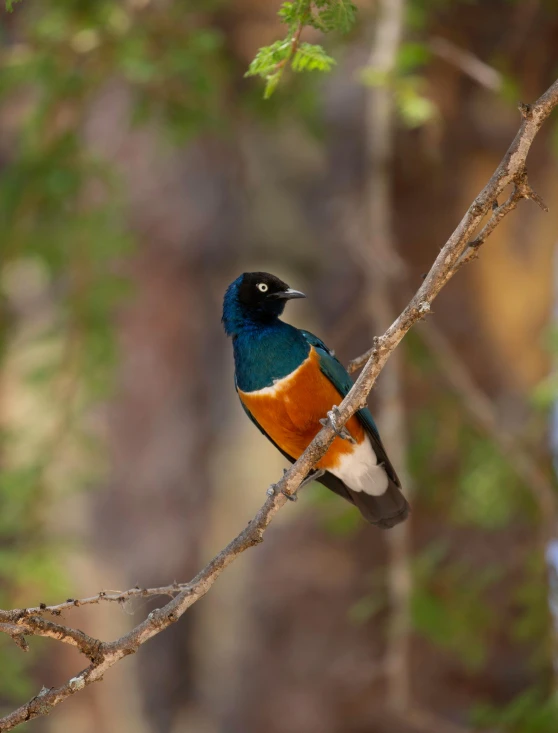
(384, 511)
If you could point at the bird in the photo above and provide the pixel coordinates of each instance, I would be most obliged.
(290, 383)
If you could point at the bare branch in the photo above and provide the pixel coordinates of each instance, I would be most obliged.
(444, 268)
(107, 654)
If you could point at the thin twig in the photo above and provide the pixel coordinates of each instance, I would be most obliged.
(110, 653)
(467, 62)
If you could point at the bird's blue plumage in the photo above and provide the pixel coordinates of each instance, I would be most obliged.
(267, 353)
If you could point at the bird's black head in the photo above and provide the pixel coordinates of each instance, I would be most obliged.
(255, 297)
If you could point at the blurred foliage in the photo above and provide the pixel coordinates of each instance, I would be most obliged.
(324, 15)
(407, 84)
(534, 711)
(531, 598)
(65, 234)
(449, 604)
(546, 391)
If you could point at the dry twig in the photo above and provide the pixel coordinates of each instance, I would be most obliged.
(104, 655)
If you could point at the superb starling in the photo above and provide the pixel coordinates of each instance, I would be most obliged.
(288, 381)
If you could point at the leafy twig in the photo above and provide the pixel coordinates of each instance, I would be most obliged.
(324, 15)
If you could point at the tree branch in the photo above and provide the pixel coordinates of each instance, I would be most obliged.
(104, 655)
(511, 170)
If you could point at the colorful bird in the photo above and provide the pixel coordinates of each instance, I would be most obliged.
(288, 381)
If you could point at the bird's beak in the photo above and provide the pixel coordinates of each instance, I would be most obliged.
(289, 294)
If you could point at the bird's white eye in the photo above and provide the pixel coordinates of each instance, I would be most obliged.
(262, 287)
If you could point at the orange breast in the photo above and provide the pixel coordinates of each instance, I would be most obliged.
(290, 411)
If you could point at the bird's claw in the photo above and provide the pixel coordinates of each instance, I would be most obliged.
(273, 490)
(274, 487)
(332, 417)
(318, 473)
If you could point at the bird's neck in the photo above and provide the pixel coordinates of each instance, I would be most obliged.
(264, 353)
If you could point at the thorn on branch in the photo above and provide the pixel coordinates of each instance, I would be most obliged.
(21, 642)
(524, 190)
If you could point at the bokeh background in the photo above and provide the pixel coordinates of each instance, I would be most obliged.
(139, 174)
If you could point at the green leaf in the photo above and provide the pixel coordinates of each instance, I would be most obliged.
(289, 13)
(334, 15)
(271, 84)
(268, 57)
(310, 57)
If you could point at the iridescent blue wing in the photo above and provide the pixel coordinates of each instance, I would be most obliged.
(339, 377)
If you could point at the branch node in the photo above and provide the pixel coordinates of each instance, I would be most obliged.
(525, 110)
(76, 683)
(523, 190)
(534, 196)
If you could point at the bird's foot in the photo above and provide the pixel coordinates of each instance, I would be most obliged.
(318, 473)
(274, 488)
(312, 476)
(332, 418)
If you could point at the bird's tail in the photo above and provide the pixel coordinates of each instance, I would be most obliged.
(385, 511)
